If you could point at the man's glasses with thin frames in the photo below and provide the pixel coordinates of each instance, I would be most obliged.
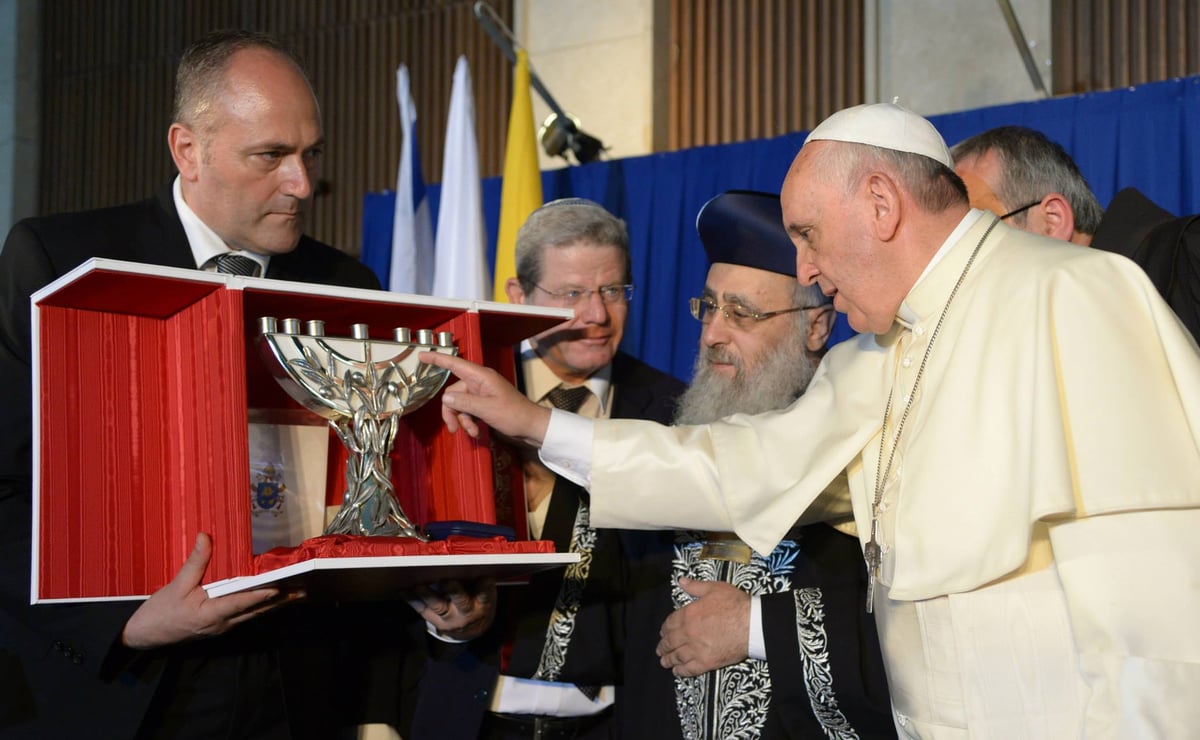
(704, 309)
(610, 294)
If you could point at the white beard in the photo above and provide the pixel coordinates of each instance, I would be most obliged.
(777, 380)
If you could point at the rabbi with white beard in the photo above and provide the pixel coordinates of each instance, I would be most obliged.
(777, 646)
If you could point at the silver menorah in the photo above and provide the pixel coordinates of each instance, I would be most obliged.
(362, 386)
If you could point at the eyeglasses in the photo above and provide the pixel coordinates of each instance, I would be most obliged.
(1022, 209)
(610, 294)
(703, 310)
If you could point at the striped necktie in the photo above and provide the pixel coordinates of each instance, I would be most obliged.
(235, 264)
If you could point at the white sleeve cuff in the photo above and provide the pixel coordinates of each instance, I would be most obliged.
(434, 631)
(757, 647)
(567, 448)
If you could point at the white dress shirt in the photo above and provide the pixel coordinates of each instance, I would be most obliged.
(205, 243)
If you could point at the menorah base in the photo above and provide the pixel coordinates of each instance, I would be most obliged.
(376, 514)
(392, 529)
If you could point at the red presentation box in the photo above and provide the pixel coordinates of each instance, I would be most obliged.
(146, 380)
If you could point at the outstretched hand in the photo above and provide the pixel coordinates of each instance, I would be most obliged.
(454, 610)
(711, 632)
(182, 610)
(482, 394)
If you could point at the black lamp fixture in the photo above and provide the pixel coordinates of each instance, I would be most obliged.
(560, 135)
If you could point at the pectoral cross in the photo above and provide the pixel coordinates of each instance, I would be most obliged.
(874, 556)
(873, 552)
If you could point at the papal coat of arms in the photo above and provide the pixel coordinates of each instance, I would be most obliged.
(267, 492)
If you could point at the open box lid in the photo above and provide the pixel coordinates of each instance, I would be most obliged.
(142, 381)
(114, 286)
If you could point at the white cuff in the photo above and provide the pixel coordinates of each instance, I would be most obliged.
(444, 638)
(567, 448)
(757, 647)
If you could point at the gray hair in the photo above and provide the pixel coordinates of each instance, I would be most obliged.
(200, 78)
(932, 184)
(564, 223)
(1032, 166)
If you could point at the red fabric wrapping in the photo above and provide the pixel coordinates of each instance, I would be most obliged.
(352, 546)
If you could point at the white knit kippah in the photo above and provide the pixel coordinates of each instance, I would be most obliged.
(884, 125)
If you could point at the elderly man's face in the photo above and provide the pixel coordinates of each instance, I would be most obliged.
(256, 155)
(751, 366)
(577, 349)
(737, 351)
(835, 247)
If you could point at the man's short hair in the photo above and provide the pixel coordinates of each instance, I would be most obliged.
(563, 223)
(1031, 167)
(200, 76)
(932, 184)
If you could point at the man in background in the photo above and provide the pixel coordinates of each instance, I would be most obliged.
(1020, 174)
(552, 665)
(246, 138)
(1029, 181)
(778, 645)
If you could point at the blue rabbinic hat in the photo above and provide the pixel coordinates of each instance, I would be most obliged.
(744, 227)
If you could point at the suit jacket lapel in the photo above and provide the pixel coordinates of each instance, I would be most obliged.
(169, 245)
(291, 265)
(280, 268)
(630, 403)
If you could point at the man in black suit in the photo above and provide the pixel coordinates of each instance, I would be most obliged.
(549, 666)
(247, 141)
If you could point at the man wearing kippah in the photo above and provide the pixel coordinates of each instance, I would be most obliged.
(1019, 424)
(550, 665)
(753, 626)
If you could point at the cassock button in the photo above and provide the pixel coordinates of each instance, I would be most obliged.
(919, 331)
(907, 362)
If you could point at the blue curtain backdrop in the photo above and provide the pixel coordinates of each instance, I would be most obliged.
(1146, 137)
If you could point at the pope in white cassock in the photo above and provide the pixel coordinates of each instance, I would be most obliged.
(1018, 427)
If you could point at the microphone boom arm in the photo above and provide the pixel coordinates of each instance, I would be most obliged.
(585, 147)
